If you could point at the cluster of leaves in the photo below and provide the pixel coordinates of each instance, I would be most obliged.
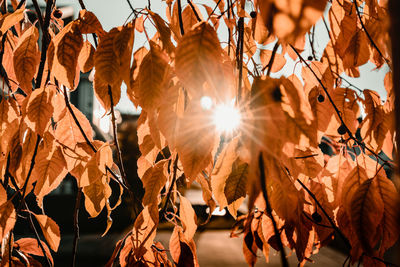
(298, 196)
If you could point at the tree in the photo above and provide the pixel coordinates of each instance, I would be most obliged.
(312, 165)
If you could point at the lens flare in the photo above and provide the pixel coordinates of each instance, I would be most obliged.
(226, 118)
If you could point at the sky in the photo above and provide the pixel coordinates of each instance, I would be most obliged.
(113, 13)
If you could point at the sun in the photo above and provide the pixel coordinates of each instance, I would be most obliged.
(226, 118)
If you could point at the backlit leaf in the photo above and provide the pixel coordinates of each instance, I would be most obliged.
(40, 109)
(26, 58)
(67, 51)
(152, 78)
(188, 217)
(86, 57)
(50, 230)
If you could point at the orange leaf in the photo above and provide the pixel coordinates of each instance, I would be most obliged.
(26, 58)
(183, 251)
(88, 23)
(50, 230)
(101, 90)
(10, 19)
(68, 133)
(154, 180)
(366, 212)
(188, 218)
(279, 60)
(49, 170)
(86, 57)
(39, 109)
(106, 65)
(198, 60)
(195, 140)
(31, 246)
(96, 195)
(152, 78)
(67, 53)
(8, 217)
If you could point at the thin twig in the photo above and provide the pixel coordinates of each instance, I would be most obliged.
(175, 168)
(36, 234)
(194, 10)
(38, 13)
(212, 12)
(271, 60)
(12, 179)
(284, 261)
(180, 17)
(331, 222)
(337, 110)
(76, 225)
(114, 126)
(45, 43)
(239, 57)
(367, 33)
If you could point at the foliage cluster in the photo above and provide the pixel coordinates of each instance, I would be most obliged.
(298, 195)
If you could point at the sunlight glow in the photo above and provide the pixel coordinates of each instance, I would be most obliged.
(226, 117)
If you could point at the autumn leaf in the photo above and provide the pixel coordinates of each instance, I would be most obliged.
(7, 219)
(89, 23)
(31, 246)
(235, 185)
(195, 125)
(50, 230)
(86, 57)
(366, 198)
(39, 109)
(67, 53)
(107, 68)
(188, 218)
(198, 59)
(183, 251)
(152, 78)
(96, 195)
(10, 19)
(153, 181)
(67, 131)
(26, 58)
(49, 171)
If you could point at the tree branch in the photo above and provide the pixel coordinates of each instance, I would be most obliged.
(337, 110)
(331, 222)
(45, 43)
(76, 225)
(284, 261)
(180, 17)
(239, 57)
(194, 10)
(271, 60)
(114, 126)
(367, 33)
